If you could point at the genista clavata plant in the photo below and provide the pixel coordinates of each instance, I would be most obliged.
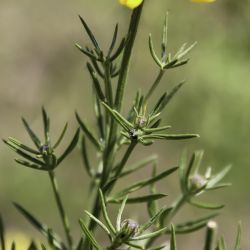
(116, 131)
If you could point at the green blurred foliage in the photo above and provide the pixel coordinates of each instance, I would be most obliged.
(39, 65)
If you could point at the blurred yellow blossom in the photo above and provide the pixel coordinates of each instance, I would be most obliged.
(131, 3)
(203, 1)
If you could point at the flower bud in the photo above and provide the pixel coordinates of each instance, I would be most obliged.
(141, 121)
(129, 228)
(196, 182)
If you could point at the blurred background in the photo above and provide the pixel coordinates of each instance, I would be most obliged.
(39, 65)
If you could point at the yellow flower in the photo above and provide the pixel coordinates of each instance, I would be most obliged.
(203, 1)
(131, 3)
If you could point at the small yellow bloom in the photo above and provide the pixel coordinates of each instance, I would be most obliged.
(131, 3)
(203, 1)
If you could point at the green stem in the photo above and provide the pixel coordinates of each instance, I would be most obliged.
(176, 207)
(122, 163)
(210, 235)
(61, 209)
(111, 133)
(155, 84)
(132, 31)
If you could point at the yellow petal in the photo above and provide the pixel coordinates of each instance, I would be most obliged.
(131, 3)
(203, 1)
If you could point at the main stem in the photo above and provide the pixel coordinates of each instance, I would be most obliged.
(61, 209)
(132, 31)
(109, 150)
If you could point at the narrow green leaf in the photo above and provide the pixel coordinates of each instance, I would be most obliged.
(90, 34)
(96, 82)
(152, 205)
(112, 45)
(189, 169)
(119, 216)
(238, 237)
(169, 97)
(99, 116)
(151, 130)
(222, 244)
(61, 136)
(217, 178)
(87, 53)
(159, 248)
(105, 213)
(182, 172)
(139, 199)
(23, 154)
(138, 165)
(70, 147)
(193, 225)
(22, 146)
(182, 52)
(205, 205)
(176, 64)
(89, 235)
(135, 246)
(32, 135)
(150, 235)
(152, 52)
(219, 186)
(170, 136)
(85, 157)
(151, 221)
(157, 106)
(88, 133)
(164, 41)
(141, 184)
(173, 245)
(46, 125)
(119, 49)
(2, 234)
(198, 159)
(97, 67)
(119, 118)
(31, 165)
(44, 229)
(98, 222)
(156, 124)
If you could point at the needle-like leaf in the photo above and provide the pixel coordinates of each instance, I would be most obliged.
(46, 125)
(90, 34)
(88, 133)
(141, 184)
(205, 205)
(44, 229)
(61, 136)
(98, 222)
(119, 216)
(32, 135)
(71, 146)
(173, 239)
(89, 236)
(139, 199)
(238, 237)
(105, 213)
